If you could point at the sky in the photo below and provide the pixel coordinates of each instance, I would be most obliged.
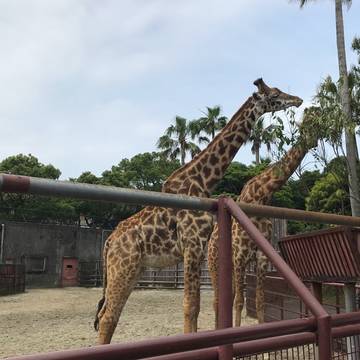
(86, 83)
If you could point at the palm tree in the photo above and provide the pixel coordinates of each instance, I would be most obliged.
(261, 135)
(176, 142)
(209, 124)
(350, 139)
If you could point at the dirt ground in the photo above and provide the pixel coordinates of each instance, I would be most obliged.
(55, 319)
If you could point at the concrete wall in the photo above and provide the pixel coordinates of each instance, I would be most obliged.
(24, 240)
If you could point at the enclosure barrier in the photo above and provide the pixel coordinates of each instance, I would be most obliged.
(220, 344)
(12, 279)
(48, 187)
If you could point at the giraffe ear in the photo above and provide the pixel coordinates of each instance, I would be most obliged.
(263, 88)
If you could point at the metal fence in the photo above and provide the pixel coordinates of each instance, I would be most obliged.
(318, 330)
(12, 279)
(91, 275)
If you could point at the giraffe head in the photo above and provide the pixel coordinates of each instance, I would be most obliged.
(272, 99)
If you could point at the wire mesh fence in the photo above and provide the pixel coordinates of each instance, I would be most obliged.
(302, 352)
(345, 348)
(12, 279)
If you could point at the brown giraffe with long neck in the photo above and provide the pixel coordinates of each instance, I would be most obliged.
(160, 237)
(259, 190)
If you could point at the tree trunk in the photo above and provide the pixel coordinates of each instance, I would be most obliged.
(257, 155)
(183, 154)
(350, 139)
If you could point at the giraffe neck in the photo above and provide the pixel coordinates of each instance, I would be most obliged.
(200, 176)
(260, 188)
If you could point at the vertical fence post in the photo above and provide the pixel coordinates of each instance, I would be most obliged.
(176, 276)
(353, 342)
(324, 337)
(224, 276)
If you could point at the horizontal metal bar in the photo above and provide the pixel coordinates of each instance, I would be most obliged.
(179, 343)
(344, 331)
(47, 187)
(273, 344)
(346, 319)
(298, 215)
(246, 348)
(203, 354)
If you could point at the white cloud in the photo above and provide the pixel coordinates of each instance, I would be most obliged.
(84, 83)
(59, 58)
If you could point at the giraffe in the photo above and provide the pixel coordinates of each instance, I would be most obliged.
(160, 237)
(259, 190)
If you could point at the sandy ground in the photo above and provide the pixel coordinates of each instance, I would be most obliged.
(55, 319)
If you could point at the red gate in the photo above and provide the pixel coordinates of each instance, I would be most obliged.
(69, 273)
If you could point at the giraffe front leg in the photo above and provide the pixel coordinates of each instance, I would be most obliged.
(239, 280)
(191, 304)
(261, 270)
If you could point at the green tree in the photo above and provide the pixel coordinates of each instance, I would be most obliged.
(236, 177)
(28, 165)
(261, 135)
(145, 171)
(176, 140)
(293, 195)
(34, 208)
(328, 195)
(350, 139)
(94, 213)
(209, 124)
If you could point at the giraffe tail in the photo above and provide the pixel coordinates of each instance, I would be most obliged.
(101, 305)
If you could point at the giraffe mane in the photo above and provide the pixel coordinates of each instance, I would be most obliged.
(187, 165)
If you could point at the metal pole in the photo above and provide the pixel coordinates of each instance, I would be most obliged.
(47, 187)
(2, 238)
(38, 186)
(224, 276)
(298, 215)
(352, 343)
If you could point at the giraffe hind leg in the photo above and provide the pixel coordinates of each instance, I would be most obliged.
(122, 277)
(261, 271)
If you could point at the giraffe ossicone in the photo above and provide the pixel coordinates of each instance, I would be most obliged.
(160, 237)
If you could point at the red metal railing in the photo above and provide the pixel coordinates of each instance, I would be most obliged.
(226, 342)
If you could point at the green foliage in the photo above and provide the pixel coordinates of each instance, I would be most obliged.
(236, 176)
(261, 134)
(145, 171)
(293, 195)
(28, 165)
(329, 195)
(33, 208)
(175, 142)
(210, 124)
